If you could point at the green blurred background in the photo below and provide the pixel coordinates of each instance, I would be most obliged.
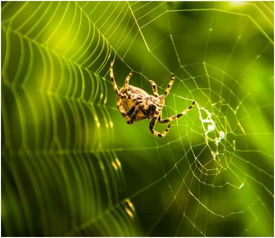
(71, 166)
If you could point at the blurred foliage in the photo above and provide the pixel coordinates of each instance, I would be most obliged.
(71, 166)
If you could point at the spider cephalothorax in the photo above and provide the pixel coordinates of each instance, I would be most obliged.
(135, 104)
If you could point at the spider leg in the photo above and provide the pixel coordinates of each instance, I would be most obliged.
(156, 133)
(133, 109)
(133, 116)
(169, 86)
(126, 84)
(154, 88)
(113, 78)
(172, 118)
(120, 107)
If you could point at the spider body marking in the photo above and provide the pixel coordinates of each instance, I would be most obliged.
(135, 104)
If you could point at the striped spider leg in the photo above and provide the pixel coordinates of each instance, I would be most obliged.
(172, 118)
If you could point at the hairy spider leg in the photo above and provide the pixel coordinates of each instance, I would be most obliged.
(156, 133)
(169, 86)
(172, 118)
(154, 88)
(126, 84)
(113, 78)
(132, 113)
(133, 116)
(120, 107)
(132, 109)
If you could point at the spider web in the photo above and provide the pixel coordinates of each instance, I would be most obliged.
(69, 156)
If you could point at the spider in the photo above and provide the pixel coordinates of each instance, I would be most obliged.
(135, 104)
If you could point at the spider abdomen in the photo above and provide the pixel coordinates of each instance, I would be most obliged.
(134, 92)
(131, 98)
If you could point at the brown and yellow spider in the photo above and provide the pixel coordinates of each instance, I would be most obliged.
(135, 104)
